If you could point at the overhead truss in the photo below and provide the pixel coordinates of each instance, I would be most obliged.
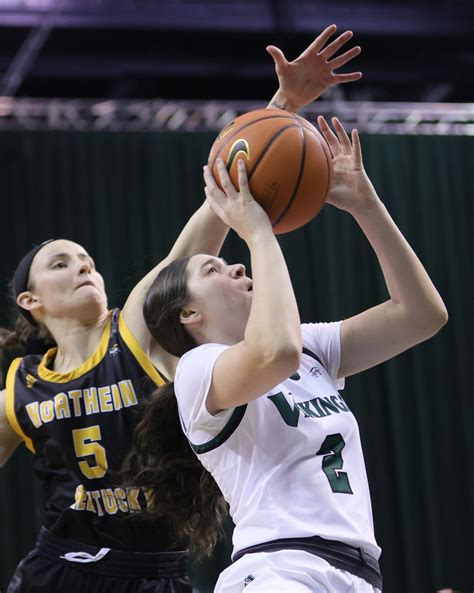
(402, 16)
(160, 114)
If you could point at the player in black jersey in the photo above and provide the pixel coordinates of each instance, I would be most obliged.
(75, 407)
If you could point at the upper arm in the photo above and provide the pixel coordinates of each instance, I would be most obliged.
(9, 440)
(151, 356)
(133, 309)
(376, 335)
(238, 377)
(203, 233)
(323, 342)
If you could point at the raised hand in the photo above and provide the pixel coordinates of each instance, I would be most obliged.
(303, 80)
(236, 207)
(350, 187)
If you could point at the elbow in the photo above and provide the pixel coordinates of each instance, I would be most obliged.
(284, 360)
(291, 359)
(434, 321)
(440, 318)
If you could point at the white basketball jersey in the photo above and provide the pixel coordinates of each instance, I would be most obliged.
(289, 463)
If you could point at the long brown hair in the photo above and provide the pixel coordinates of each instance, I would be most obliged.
(162, 459)
(21, 338)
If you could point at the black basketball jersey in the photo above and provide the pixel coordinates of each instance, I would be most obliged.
(79, 426)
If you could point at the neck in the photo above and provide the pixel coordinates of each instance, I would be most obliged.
(77, 340)
(220, 335)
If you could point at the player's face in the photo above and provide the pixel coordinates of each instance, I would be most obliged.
(65, 282)
(220, 291)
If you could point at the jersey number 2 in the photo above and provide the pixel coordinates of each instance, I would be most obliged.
(332, 463)
(85, 444)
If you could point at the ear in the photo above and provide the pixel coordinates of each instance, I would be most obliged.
(26, 300)
(189, 317)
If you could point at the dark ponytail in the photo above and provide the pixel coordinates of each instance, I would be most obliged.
(24, 338)
(184, 492)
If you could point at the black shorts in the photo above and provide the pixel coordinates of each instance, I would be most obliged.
(57, 565)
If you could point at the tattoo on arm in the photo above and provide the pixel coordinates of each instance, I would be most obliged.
(277, 105)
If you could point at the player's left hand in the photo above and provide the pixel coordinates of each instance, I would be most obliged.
(303, 80)
(350, 188)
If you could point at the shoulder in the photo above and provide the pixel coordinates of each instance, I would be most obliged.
(323, 341)
(192, 383)
(198, 360)
(20, 367)
(322, 335)
(194, 371)
(9, 439)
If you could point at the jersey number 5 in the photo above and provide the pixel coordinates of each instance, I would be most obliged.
(332, 463)
(85, 444)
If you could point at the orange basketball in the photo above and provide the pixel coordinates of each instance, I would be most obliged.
(287, 163)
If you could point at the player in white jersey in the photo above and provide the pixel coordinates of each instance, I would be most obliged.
(257, 391)
(299, 432)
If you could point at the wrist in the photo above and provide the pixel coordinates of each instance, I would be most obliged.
(368, 208)
(210, 215)
(281, 101)
(259, 237)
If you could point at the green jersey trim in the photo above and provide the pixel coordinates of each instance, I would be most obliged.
(225, 433)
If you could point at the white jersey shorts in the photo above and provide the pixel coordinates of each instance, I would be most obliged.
(288, 571)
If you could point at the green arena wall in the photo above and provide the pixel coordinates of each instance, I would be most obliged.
(125, 197)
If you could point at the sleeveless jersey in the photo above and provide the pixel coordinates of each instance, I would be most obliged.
(79, 426)
(289, 463)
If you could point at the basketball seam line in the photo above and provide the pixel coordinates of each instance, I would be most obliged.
(298, 182)
(267, 146)
(236, 132)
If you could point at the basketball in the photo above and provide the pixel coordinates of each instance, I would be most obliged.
(287, 163)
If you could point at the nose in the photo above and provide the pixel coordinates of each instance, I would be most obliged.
(85, 267)
(237, 271)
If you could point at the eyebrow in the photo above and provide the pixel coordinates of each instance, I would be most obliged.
(213, 261)
(68, 256)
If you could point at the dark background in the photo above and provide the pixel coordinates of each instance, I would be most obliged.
(125, 196)
(413, 50)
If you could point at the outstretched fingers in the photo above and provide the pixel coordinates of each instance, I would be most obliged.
(350, 77)
(357, 149)
(281, 63)
(344, 140)
(345, 57)
(329, 136)
(335, 45)
(339, 143)
(320, 40)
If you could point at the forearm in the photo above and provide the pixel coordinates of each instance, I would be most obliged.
(407, 281)
(281, 101)
(204, 233)
(274, 324)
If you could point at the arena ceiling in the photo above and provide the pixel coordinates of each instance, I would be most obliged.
(196, 49)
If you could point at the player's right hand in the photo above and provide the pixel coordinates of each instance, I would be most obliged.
(236, 207)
